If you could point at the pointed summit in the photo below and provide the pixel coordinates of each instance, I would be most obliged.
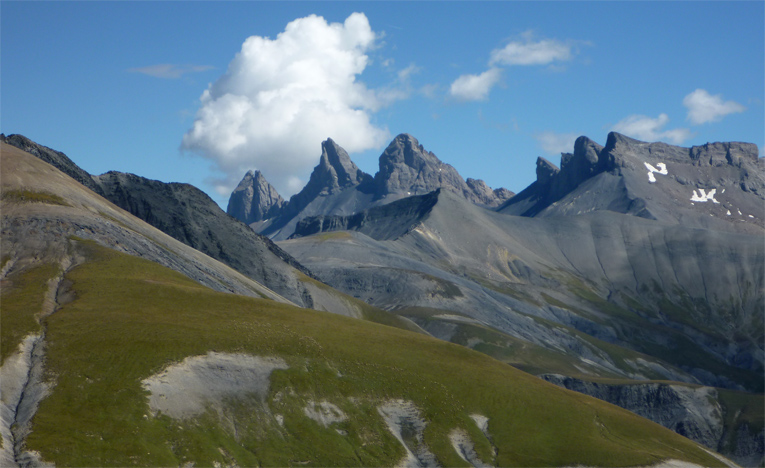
(406, 169)
(254, 199)
(335, 171)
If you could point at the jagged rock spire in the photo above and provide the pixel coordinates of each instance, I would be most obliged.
(254, 199)
(406, 168)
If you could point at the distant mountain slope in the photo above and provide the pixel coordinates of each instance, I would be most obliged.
(338, 187)
(114, 360)
(190, 216)
(679, 292)
(702, 282)
(43, 209)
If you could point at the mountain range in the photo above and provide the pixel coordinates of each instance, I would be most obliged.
(633, 273)
(632, 260)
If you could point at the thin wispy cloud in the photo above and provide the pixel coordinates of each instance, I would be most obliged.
(526, 52)
(645, 128)
(475, 87)
(703, 107)
(529, 52)
(280, 98)
(556, 143)
(169, 70)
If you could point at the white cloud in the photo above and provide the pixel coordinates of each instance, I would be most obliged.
(556, 143)
(645, 128)
(169, 70)
(703, 107)
(529, 52)
(475, 87)
(281, 97)
(412, 69)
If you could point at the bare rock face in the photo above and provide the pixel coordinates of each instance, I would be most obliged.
(484, 195)
(694, 412)
(697, 186)
(335, 173)
(407, 168)
(338, 187)
(254, 199)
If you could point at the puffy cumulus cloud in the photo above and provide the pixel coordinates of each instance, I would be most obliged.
(645, 128)
(703, 107)
(529, 52)
(280, 98)
(475, 87)
(556, 143)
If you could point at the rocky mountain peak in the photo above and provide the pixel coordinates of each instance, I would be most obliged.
(407, 168)
(254, 199)
(483, 194)
(336, 170)
(545, 170)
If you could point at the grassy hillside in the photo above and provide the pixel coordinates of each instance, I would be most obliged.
(132, 319)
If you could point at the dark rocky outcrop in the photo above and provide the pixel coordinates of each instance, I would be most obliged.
(381, 222)
(254, 199)
(484, 195)
(694, 412)
(190, 216)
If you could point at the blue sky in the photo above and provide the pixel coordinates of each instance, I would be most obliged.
(487, 87)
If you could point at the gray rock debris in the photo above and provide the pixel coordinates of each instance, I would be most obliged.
(185, 389)
(693, 412)
(405, 423)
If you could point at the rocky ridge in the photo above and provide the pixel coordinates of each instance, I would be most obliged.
(338, 187)
(190, 216)
(407, 168)
(721, 181)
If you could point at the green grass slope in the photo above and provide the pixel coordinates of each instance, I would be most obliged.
(131, 319)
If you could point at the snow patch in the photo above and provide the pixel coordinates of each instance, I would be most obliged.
(662, 170)
(703, 197)
(185, 389)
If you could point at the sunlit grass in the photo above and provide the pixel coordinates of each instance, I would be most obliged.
(132, 318)
(21, 300)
